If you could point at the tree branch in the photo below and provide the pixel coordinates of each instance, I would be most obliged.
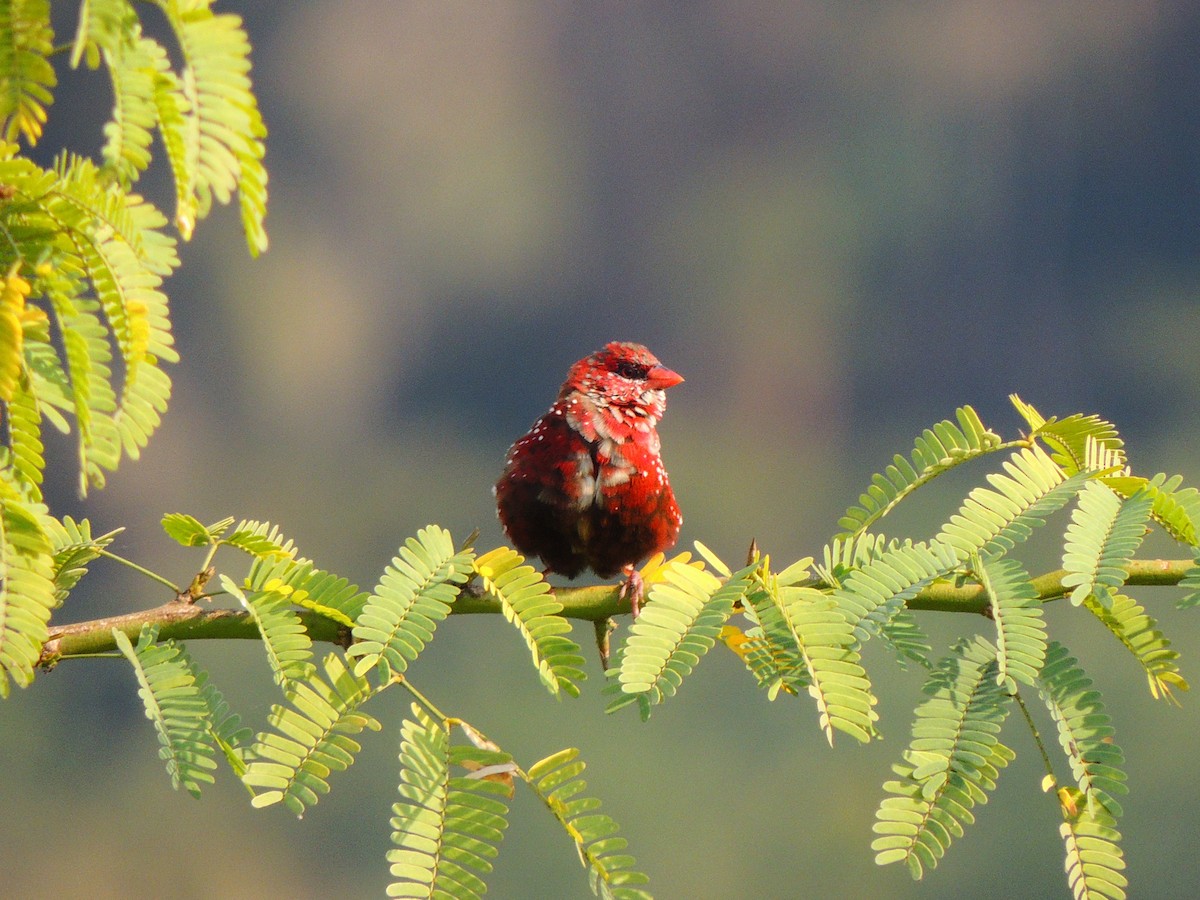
(181, 620)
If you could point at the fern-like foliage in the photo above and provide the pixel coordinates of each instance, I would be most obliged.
(1104, 534)
(259, 539)
(21, 326)
(843, 555)
(680, 622)
(216, 146)
(26, 76)
(27, 588)
(1191, 583)
(938, 449)
(1068, 438)
(72, 236)
(528, 604)
(175, 704)
(826, 644)
(288, 646)
(206, 113)
(908, 642)
(125, 256)
(769, 648)
(557, 781)
(446, 827)
(1084, 730)
(323, 592)
(413, 595)
(753, 649)
(1094, 861)
(1176, 509)
(1020, 627)
(225, 727)
(1139, 633)
(74, 549)
(951, 764)
(13, 292)
(991, 522)
(187, 530)
(871, 595)
(312, 738)
(137, 66)
(83, 257)
(801, 640)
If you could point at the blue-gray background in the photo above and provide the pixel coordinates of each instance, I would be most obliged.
(837, 221)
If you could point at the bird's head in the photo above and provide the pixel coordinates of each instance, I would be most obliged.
(624, 377)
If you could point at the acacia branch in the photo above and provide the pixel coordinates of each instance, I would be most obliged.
(183, 620)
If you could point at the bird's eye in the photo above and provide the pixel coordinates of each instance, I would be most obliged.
(633, 371)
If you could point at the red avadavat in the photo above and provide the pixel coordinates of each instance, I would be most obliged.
(586, 487)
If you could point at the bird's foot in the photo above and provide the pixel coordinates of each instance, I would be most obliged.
(634, 589)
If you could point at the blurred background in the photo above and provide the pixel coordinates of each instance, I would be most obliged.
(838, 221)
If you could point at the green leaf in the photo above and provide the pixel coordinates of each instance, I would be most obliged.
(679, 623)
(323, 592)
(845, 554)
(259, 539)
(102, 23)
(26, 76)
(224, 726)
(556, 780)
(938, 450)
(1104, 534)
(1130, 624)
(288, 646)
(27, 589)
(825, 641)
(871, 595)
(311, 738)
(25, 441)
(952, 762)
(446, 827)
(1084, 731)
(1176, 509)
(88, 359)
(1190, 582)
(770, 649)
(757, 653)
(74, 548)
(1094, 859)
(125, 257)
(1017, 611)
(135, 64)
(991, 522)
(211, 121)
(1068, 438)
(903, 636)
(175, 704)
(186, 530)
(527, 603)
(413, 595)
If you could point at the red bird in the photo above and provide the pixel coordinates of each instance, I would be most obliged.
(586, 487)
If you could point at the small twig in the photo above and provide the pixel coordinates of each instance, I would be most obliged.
(141, 569)
(423, 700)
(1037, 737)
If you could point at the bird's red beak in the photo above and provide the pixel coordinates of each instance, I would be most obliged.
(660, 378)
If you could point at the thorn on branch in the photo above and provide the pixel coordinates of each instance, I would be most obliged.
(469, 543)
(604, 629)
(195, 590)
